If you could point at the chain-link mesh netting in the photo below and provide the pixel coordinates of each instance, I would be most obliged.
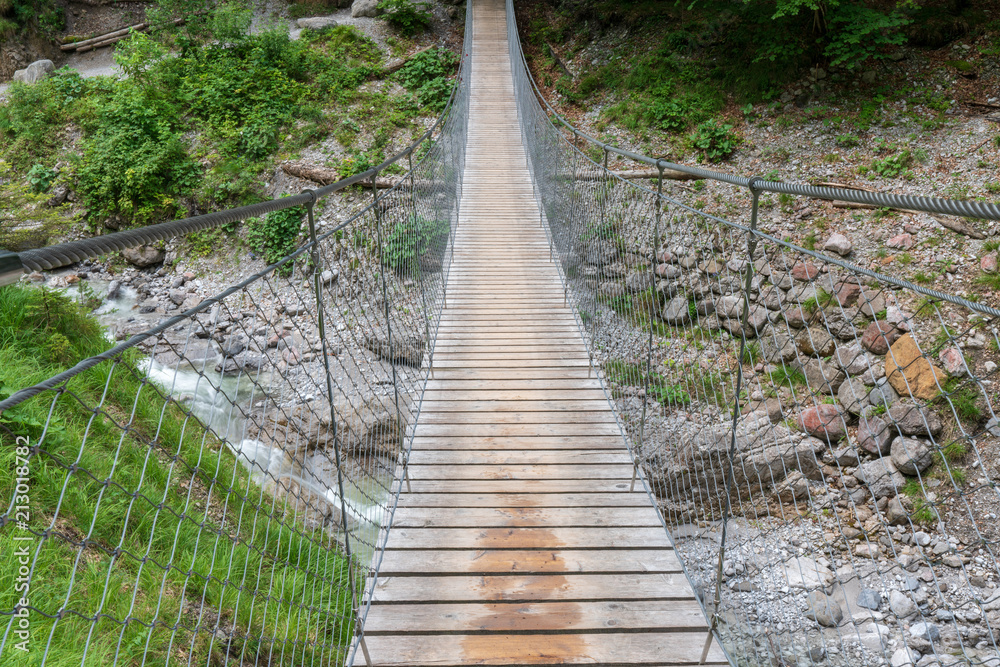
(214, 491)
(822, 440)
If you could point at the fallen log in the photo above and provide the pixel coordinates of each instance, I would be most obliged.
(635, 174)
(397, 64)
(328, 176)
(121, 32)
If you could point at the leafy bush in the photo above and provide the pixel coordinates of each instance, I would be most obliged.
(406, 16)
(40, 178)
(20, 205)
(715, 142)
(426, 76)
(134, 162)
(894, 165)
(276, 235)
(410, 245)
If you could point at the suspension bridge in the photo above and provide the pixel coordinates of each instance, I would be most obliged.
(517, 410)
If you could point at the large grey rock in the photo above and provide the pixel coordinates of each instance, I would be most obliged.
(777, 348)
(823, 376)
(676, 311)
(911, 456)
(913, 419)
(824, 609)
(35, 72)
(881, 477)
(317, 23)
(869, 598)
(902, 605)
(144, 255)
(816, 342)
(403, 349)
(853, 395)
(807, 573)
(875, 435)
(366, 8)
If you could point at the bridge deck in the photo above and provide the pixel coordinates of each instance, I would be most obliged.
(520, 542)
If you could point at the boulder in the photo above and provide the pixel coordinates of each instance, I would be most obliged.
(35, 72)
(852, 359)
(143, 256)
(839, 244)
(364, 8)
(793, 487)
(875, 435)
(676, 311)
(900, 242)
(911, 456)
(815, 341)
(895, 512)
(953, 362)
(778, 348)
(804, 271)
(824, 609)
(401, 349)
(989, 263)
(825, 422)
(878, 337)
(668, 271)
(317, 23)
(807, 573)
(881, 477)
(853, 395)
(910, 373)
(912, 419)
(823, 376)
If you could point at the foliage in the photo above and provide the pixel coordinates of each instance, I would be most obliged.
(276, 235)
(133, 489)
(407, 16)
(23, 16)
(426, 76)
(19, 203)
(893, 165)
(40, 178)
(408, 242)
(714, 141)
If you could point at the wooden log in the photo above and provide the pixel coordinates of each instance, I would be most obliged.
(397, 64)
(121, 32)
(636, 174)
(327, 176)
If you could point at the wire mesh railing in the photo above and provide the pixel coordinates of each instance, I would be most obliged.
(822, 439)
(217, 489)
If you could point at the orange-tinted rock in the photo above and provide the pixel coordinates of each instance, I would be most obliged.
(910, 373)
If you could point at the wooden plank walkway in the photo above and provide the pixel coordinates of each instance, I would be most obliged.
(520, 542)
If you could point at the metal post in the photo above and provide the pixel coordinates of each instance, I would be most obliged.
(730, 472)
(317, 270)
(649, 345)
(385, 302)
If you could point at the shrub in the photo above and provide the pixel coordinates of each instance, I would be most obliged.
(406, 16)
(411, 245)
(426, 76)
(715, 142)
(276, 235)
(40, 178)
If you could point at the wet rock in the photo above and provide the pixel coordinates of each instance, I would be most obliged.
(875, 435)
(241, 363)
(911, 456)
(879, 336)
(804, 271)
(676, 311)
(143, 256)
(910, 373)
(881, 477)
(900, 242)
(912, 419)
(823, 421)
(839, 244)
(114, 290)
(824, 609)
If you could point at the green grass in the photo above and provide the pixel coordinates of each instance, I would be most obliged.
(788, 377)
(177, 534)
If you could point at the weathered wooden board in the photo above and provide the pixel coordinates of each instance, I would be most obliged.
(540, 561)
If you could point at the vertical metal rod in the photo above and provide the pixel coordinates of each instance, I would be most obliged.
(386, 311)
(730, 472)
(658, 208)
(321, 318)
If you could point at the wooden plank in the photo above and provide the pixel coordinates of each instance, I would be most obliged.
(533, 587)
(397, 563)
(507, 430)
(669, 648)
(522, 472)
(458, 384)
(499, 418)
(493, 500)
(521, 394)
(510, 405)
(526, 442)
(520, 457)
(524, 517)
(523, 486)
(492, 618)
(652, 537)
